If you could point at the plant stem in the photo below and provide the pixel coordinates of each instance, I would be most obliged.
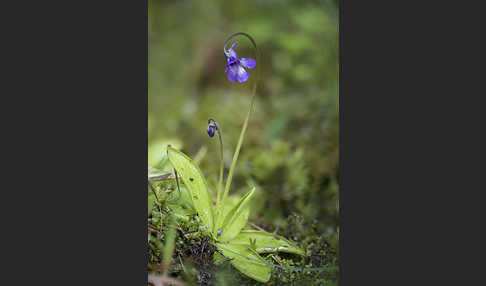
(237, 151)
(245, 124)
(221, 167)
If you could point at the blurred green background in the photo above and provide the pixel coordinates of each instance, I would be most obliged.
(291, 149)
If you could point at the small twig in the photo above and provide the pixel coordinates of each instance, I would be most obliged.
(158, 280)
(203, 245)
(178, 188)
(155, 193)
(160, 177)
(182, 264)
(255, 226)
(274, 258)
(182, 231)
(152, 228)
(177, 180)
(160, 209)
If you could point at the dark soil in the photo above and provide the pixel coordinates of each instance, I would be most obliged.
(200, 254)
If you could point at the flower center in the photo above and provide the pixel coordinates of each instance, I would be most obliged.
(233, 60)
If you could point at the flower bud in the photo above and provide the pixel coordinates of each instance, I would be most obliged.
(211, 130)
(212, 127)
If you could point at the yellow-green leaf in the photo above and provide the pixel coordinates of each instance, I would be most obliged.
(182, 198)
(180, 213)
(195, 182)
(231, 201)
(236, 218)
(156, 150)
(266, 242)
(246, 261)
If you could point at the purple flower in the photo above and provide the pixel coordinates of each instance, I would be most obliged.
(236, 65)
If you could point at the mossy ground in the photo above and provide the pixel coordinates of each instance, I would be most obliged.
(192, 259)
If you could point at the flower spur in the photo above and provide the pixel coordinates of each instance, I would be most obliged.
(236, 66)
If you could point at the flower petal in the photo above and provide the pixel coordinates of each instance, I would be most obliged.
(241, 74)
(231, 53)
(232, 75)
(248, 63)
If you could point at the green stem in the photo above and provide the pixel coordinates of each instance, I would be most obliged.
(245, 124)
(221, 168)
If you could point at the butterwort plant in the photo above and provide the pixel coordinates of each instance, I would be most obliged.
(225, 221)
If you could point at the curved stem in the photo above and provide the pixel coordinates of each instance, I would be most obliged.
(245, 124)
(221, 158)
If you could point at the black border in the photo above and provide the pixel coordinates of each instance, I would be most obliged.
(77, 163)
(405, 111)
(76, 159)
